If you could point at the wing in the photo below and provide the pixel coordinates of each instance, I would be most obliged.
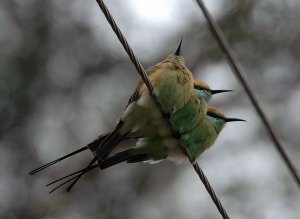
(136, 95)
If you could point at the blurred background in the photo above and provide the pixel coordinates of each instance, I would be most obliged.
(65, 79)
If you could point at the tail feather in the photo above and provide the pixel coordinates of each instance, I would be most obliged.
(57, 160)
(69, 180)
(138, 158)
(103, 164)
(92, 146)
(108, 144)
(121, 157)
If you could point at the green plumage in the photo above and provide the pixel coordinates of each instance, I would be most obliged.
(199, 139)
(205, 95)
(188, 117)
(153, 148)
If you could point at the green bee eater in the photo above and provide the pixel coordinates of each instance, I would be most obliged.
(150, 149)
(200, 87)
(143, 119)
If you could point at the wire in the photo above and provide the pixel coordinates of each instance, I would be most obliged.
(240, 74)
(210, 190)
(126, 46)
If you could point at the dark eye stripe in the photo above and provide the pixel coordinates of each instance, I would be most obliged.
(214, 115)
(200, 88)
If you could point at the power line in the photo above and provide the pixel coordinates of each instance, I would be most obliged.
(126, 46)
(210, 190)
(240, 74)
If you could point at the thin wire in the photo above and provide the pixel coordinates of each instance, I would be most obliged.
(240, 74)
(146, 80)
(126, 46)
(210, 190)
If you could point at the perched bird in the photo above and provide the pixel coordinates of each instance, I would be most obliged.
(200, 87)
(190, 145)
(173, 89)
(143, 116)
(174, 92)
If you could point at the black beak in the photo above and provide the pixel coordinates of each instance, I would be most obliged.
(219, 91)
(178, 51)
(234, 120)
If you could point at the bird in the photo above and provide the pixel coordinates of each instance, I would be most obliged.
(174, 93)
(189, 146)
(200, 87)
(173, 88)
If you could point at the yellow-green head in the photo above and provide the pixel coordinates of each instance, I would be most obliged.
(177, 57)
